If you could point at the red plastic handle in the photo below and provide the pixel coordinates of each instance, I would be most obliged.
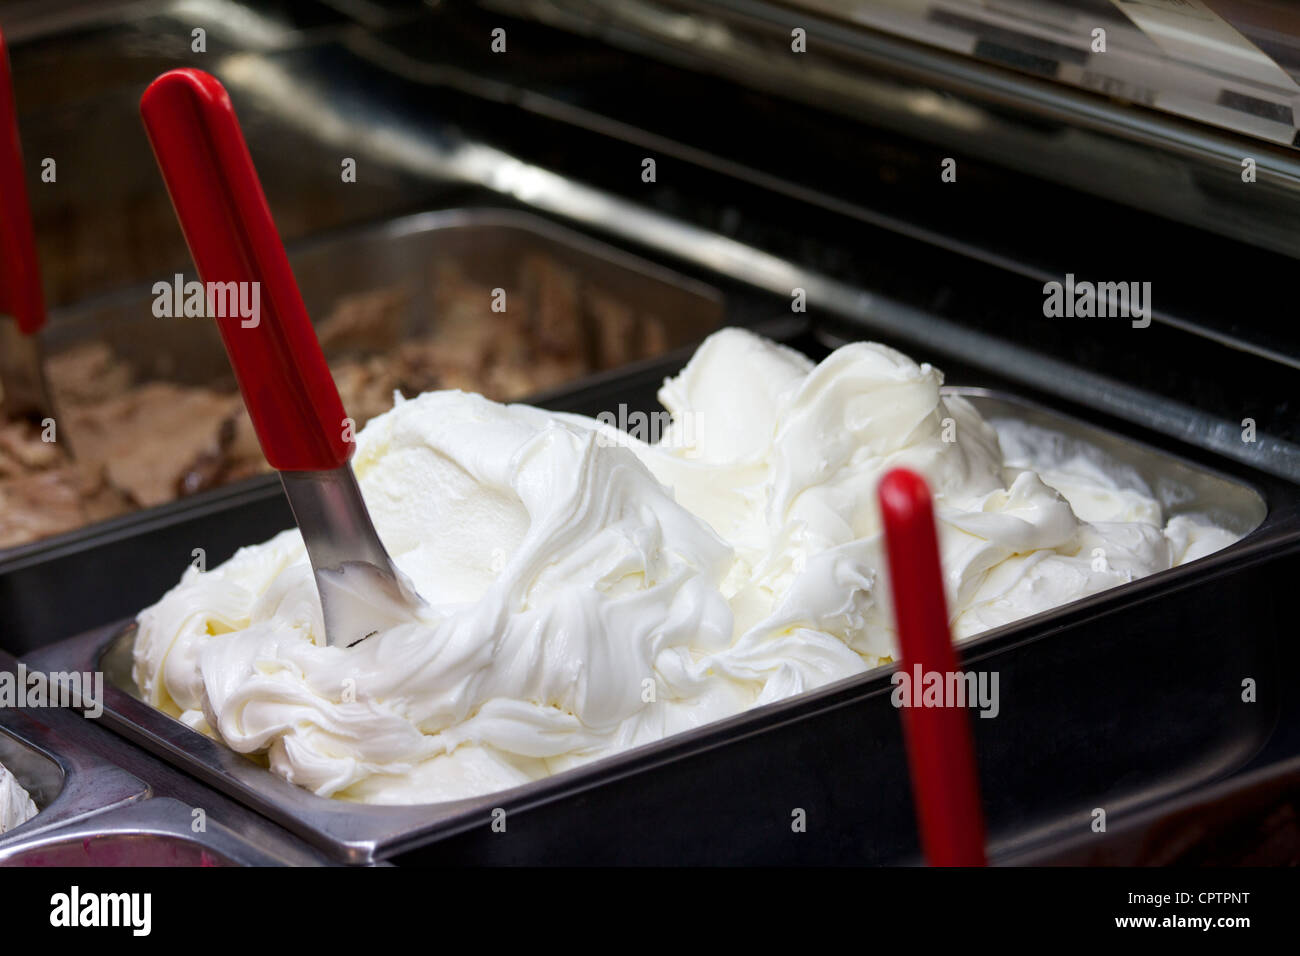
(940, 750)
(278, 362)
(20, 276)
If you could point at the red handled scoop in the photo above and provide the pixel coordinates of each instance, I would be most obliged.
(23, 390)
(277, 359)
(940, 753)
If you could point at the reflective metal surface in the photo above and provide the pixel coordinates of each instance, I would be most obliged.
(156, 832)
(47, 751)
(80, 776)
(1183, 58)
(1102, 143)
(1247, 820)
(361, 590)
(898, 107)
(362, 833)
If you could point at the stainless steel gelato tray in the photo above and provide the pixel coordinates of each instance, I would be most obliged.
(1114, 700)
(48, 752)
(154, 832)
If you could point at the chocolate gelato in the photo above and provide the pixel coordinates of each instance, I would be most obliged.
(137, 444)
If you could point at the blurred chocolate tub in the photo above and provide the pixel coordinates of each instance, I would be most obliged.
(486, 300)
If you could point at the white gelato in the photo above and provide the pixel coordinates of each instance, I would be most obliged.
(588, 592)
(16, 807)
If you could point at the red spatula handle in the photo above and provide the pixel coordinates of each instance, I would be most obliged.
(940, 750)
(20, 278)
(218, 198)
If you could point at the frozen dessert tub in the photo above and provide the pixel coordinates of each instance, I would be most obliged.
(154, 832)
(66, 776)
(405, 304)
(1112, 702)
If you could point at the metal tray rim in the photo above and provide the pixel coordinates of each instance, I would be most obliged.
(91, 784)
(163, 817)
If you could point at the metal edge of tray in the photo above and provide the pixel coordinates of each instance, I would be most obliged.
(1253, 507)
(53, 757)
(505, 218)
(361, 833)
(563, 238)
(154, 819)
(1167, 826)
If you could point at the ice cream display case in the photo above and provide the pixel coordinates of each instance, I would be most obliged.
(954, 181)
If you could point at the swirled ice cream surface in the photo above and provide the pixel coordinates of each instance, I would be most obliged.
(16, 806)
(588, 592)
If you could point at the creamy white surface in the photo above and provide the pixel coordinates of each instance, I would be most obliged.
(16, 807)
(589, 592)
